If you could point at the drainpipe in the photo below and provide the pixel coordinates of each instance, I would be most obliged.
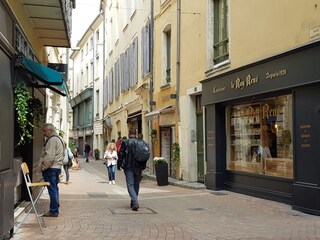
(151, 54)
(151, 46)
(178, 58)
(103, 72)
(93, 94)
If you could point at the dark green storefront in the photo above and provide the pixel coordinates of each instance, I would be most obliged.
(262, 129)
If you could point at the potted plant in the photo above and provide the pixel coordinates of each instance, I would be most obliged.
(161, 168)
(96, 154)
(153, 135)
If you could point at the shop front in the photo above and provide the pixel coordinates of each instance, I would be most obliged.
(262, 129)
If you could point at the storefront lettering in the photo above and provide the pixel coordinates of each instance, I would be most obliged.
(218, 89)
(306, 145)
(269, 112)
(241, 84)
(305, 135)
(266, 111)
(277, 74)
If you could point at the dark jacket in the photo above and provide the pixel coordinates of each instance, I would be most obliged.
(87, 148)
(126, 156)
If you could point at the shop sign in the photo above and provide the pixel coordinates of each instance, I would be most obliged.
(315, 33)
(284, 71)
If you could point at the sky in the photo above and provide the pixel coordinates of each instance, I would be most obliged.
(82, 16)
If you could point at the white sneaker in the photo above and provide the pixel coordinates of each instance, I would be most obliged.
(110, 182)
(113, 182)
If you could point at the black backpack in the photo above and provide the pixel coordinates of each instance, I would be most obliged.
(142, 151)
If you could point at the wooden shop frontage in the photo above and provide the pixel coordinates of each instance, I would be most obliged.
(262, 129)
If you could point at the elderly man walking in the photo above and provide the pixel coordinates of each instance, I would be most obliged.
(51, 164)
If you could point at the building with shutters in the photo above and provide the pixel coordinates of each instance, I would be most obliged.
(86, 89)
(126, 86)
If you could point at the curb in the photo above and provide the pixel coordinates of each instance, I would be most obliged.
(174, 182)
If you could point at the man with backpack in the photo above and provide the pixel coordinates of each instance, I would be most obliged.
(133, 156)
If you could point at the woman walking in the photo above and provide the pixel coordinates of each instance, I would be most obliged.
(67, 162)
(111, 157)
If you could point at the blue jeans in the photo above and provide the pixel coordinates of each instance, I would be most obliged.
(86, 154)
(133, 179)
(52, 175)
(111, 172)
(66, 169)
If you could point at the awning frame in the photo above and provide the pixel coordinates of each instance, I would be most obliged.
(155, 113)
(33, 78)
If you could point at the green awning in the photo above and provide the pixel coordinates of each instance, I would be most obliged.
(44, 77)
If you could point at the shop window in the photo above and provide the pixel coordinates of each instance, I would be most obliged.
(259, 137)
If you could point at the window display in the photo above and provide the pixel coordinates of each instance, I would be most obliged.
(259, 137)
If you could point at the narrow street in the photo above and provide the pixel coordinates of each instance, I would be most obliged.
(93, 209)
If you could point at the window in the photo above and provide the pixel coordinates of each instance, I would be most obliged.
(97, 36)
(259, 137)
(105, 93)
(123, 72)
(87, 76)
(116, 79)
(97, 100)
(134, 72)
(92, 70)
(111, 86)
(220, 21)
(167, 56)
(87, 48)
(91, 42)
(145, 45)
(81, 54)
(97, 68)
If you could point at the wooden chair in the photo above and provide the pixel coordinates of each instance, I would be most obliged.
(30, 185)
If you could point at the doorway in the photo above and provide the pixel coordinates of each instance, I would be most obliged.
(200, 145)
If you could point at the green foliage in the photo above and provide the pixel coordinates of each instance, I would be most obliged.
(96, 154)
(22, 97)
(38, 111)
(61, 133)
(153, 133)
(71, 145)
(176, 154)
(30, 112)
(159, 160)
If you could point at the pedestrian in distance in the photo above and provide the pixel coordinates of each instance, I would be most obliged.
(87, 150)
(132, 168)
(50, 164)
(110, 158)
(67, 162)
(118, 144)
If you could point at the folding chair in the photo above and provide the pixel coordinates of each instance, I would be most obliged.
(42, 185)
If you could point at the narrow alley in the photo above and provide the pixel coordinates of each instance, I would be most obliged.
(93, 209)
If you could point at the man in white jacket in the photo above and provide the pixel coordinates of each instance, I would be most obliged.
(51, 164)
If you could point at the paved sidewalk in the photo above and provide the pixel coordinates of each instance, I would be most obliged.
(93, 209)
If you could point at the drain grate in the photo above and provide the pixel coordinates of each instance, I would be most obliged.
(219, 193)
(196, 209)
(97, 194)
(142, 210)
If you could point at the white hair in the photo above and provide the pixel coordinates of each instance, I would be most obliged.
(49, 126)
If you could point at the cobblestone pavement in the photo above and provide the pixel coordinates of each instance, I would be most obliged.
(93, 209)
